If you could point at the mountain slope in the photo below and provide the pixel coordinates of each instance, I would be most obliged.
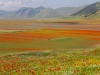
(89, 10)
(40, 8)
(86, 11)
(25, 12)
(2, 13)
(64, 10)
(75, 10)
(94, 16)
(48, 13)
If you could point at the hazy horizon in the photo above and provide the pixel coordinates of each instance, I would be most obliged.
(11, 5)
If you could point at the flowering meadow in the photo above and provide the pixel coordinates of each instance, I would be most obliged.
(57, 47)
(62, 62)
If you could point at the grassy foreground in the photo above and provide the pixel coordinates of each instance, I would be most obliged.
(61, 62)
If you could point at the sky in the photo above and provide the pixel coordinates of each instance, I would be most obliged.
(11, 5)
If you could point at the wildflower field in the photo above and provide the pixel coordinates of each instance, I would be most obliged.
(55, 47)
(63, 62)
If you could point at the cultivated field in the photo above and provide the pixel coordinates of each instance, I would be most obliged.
(49, 47)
